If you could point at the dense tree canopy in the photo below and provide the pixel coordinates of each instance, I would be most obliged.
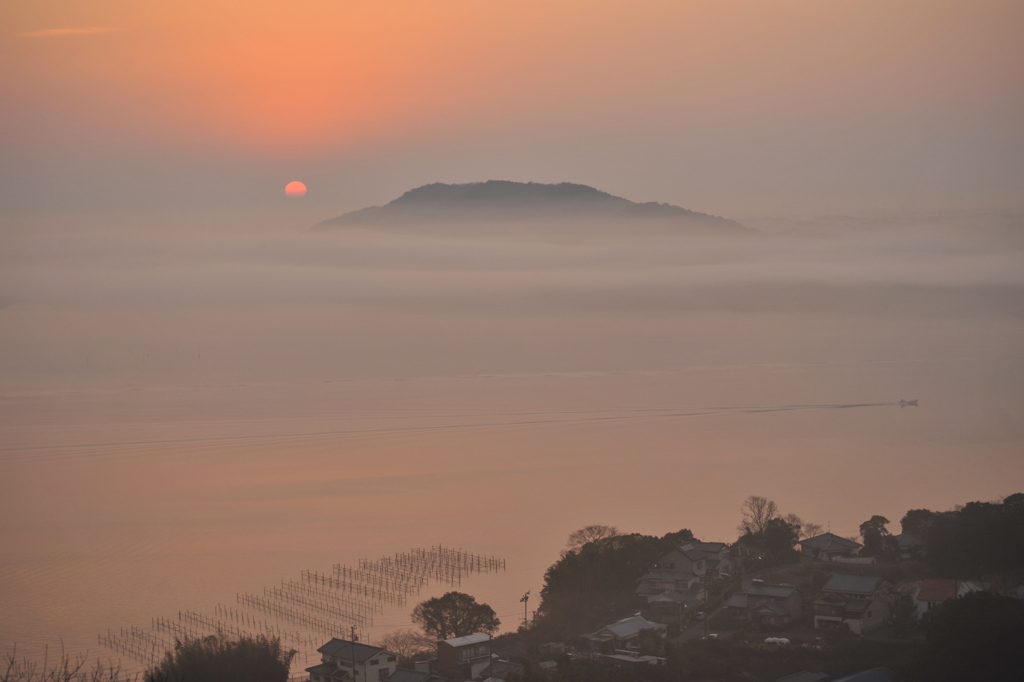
(878, 541)
(218, 659)
(455, 614)
(596, 584)
(978, 637)
(978, 540)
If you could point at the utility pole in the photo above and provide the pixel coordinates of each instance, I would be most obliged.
(352, 648)
(707, 603)
(526, 603)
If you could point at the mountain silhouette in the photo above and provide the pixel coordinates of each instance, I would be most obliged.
(504, 201)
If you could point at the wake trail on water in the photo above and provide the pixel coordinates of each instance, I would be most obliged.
(516, 420)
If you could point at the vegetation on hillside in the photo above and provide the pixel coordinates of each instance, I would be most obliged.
(216, 658)
(595, 584)
(983, 540)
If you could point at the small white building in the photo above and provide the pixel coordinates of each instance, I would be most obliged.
(346, 661)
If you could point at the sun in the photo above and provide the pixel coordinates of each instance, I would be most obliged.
(295, 189)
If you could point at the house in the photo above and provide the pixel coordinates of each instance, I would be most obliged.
(625, 633)
(855, 601)
(660, 580)
(934, 591)
(673, 606)
(718, 557)
(765, 605)
(346, 661)
(464, 658)
(828, 547)
(909, 547)
(687, 557)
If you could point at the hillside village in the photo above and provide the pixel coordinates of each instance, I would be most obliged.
(778, 604)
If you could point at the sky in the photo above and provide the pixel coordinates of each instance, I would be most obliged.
(736, 107)
(200, 395)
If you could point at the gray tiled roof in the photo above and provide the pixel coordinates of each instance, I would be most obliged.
(852, 584)
(477, 638)
(830, 542)
(627, 627)
(692, 553)
(777, 609)
(328, 670)
(349, 651)
(672, 596)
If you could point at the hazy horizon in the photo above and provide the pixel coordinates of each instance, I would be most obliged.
(201, 395)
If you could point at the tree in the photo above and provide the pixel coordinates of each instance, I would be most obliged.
(810, 530)
(779, 536)
(587, 534)
(455, 614)
(917, 522)
(406, 643)
(597, 585)
(757, 512)
(977, 637)
(215, 658)
(878, 542)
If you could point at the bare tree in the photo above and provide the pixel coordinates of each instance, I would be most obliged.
(589, 534)
(757, 512)
(406, 643)
(65, 669)
(806, 530)
(810, 530)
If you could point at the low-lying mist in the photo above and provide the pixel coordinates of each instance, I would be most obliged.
(386, 300)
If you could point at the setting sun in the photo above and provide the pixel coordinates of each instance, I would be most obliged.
(295, 189)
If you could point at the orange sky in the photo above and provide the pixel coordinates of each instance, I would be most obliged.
(324, 79)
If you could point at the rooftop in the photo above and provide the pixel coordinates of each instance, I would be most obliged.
(329, 670)
(852, 584)
(626, 628)
(692, 552)
(349, 651)
(938, 589)
(830, 542)
(478, 638)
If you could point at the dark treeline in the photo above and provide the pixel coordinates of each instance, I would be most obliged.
(595, 584)
(978, 540)
(216, 658)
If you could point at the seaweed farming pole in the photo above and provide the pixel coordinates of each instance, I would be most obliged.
(319, 605)
(284, 612)
(366, 608)
(148, 639)
(272, 629)
(353, 588)
(129, 649)
(174, 628)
